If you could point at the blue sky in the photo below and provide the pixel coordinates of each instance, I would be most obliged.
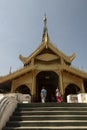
(21, 28)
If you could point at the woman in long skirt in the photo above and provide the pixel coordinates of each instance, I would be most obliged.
(58, 95)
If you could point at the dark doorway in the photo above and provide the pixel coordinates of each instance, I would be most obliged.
(71, 89)
(49, 80)
(23, 89)
(5, 87)
(85, 85)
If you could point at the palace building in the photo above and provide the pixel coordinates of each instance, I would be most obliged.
(49, 67)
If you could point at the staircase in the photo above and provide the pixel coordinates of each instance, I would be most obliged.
(49, 116)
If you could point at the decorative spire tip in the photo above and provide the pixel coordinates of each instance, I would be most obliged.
(45, 37)
(45, 20)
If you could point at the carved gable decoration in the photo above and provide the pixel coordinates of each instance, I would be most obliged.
(47, 57)
(46, 51)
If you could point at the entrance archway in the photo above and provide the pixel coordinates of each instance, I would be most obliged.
(23, 89)
(49, 80)
(71, 89)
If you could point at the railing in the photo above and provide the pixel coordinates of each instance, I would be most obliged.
(3, 104)
(7, 106)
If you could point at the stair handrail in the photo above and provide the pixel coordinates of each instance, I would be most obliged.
(3, 103)
(7, 107)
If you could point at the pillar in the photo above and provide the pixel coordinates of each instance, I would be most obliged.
(33, 90)
(82, 87)
(61, 83)
(12, 86)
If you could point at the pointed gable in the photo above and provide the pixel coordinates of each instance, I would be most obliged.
(46, 51)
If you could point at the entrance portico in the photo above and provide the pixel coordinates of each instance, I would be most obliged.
(49, 80)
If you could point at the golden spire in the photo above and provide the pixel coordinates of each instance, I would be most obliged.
(45, 37)
(45, 21)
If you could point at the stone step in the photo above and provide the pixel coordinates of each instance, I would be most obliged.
(51, 113)
(56, 123)
(48, 128)
(52, 104)
(51, 109)
(48, 116)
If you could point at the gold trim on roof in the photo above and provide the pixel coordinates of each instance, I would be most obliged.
(45, 44)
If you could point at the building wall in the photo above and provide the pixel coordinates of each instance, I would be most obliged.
(26, 79)
(29, 79)
(72, 79)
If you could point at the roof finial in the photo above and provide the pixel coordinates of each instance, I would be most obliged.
(45, 37)
(45, 21)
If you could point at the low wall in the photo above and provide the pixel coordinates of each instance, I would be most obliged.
(1, 96)
(77, 98)
(7, 107)
(21, 98)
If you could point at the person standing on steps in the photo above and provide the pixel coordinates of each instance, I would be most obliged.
(43, 95)
(58, 95)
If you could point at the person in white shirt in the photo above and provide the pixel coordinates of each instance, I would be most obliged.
(43, 95)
